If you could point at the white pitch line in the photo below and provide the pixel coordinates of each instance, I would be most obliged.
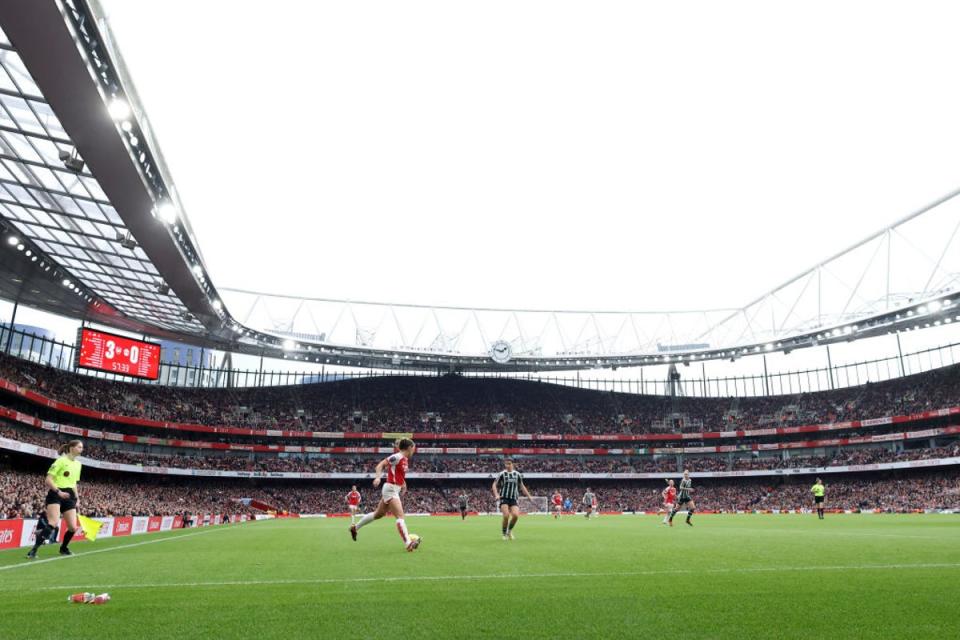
(496, 576)
(33, 563)
(833, 532)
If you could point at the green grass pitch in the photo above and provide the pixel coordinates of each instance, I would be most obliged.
(744, 576)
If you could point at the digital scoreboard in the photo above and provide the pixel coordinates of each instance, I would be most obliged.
(117, 354)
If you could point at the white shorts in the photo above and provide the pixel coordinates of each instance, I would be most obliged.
(389, 492)
(668, 506)
(353, 507)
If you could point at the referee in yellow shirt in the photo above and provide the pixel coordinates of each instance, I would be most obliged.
(61, 480)
(818, 491)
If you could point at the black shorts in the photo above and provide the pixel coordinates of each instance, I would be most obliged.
(65, 505)
(510, 502)
(463, 507)
(818, 499)
(682, 501)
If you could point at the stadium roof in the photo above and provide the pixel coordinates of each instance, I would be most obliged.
(94, 229)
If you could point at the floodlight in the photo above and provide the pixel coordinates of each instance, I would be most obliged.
(167, 212)
(119, 109)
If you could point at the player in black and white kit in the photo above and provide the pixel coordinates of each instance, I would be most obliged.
(463, 500)
(506, 490)
(589, 499)
(684, 497)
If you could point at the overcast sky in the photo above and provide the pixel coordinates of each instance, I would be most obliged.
(617, 155)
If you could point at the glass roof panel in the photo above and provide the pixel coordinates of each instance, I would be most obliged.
(66, 214)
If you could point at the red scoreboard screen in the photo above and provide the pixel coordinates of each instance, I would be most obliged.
(117, 354)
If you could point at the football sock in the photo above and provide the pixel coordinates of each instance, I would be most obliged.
(66, 539)
(367, 519)
(689, 514)
(672, 513)
(402, 528)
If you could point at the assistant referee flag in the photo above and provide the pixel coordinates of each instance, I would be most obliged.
(90, 527)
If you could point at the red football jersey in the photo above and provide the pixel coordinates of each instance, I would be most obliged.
(397, 471)
(353, 498)
(557, 499)
(670, 495)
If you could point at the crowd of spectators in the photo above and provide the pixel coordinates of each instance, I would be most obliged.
(842, 457)
(21, 494)
(456, 463)
(462, 404)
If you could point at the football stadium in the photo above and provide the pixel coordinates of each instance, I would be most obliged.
(218, 423)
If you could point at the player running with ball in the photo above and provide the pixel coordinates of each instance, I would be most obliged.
(684, 498)
(396, 484)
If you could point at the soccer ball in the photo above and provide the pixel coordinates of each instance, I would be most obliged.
(414, 541)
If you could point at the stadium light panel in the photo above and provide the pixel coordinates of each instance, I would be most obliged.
(20, 247)
(217, 305)
(66, 283)
(288, 345)
(13, 240)
(167, 212)
(119, 109)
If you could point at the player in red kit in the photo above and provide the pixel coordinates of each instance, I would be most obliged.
(557, 504)
(669, 501)
(396, 484)
(353, 503)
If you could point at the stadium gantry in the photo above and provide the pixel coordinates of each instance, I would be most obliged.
(93, 229)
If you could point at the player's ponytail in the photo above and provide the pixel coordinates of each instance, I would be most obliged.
(65, 448)
(403, 444)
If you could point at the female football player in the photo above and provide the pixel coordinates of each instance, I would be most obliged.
(506, 490)
(393, 488)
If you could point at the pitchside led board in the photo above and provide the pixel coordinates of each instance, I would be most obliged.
(117, 354)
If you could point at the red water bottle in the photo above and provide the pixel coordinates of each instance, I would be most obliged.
(103, 598)
(82, 598)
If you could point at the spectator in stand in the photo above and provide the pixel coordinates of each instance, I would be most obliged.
(457, 463)
(475, 405)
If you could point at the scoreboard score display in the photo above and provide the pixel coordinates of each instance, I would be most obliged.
(117, 354)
